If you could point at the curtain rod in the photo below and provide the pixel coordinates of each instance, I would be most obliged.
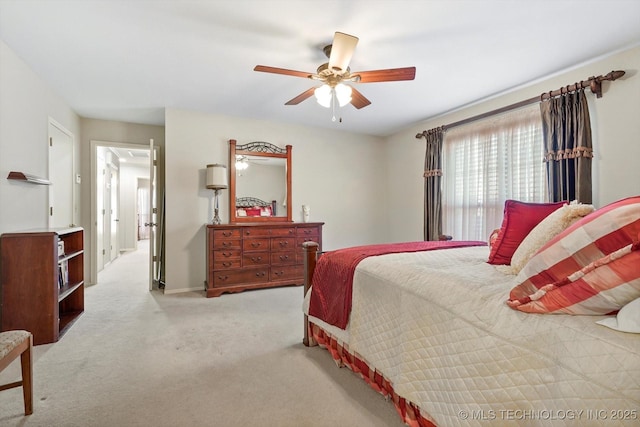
(594, 83)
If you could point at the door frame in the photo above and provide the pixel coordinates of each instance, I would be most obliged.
(94, 190)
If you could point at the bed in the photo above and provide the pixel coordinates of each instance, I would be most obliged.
(431, 330)
(254, 207)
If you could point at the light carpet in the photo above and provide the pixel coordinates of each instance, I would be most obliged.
(140, 358)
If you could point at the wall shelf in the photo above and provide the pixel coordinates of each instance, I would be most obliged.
(21, 176)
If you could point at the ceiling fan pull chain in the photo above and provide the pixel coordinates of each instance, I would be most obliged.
(333, 104)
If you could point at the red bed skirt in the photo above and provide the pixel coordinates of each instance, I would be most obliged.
(408, 411)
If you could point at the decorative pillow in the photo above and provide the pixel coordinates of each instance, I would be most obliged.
(518, 220)
(548, 228)
(265, 211)
(627, 320)
(590, 268)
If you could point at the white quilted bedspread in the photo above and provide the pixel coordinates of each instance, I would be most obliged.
(436, 325)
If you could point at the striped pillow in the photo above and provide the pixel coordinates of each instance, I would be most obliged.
(593, 267)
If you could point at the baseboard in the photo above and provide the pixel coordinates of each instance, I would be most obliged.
(182, 290)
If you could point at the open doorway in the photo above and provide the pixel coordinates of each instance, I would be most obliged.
(122, 219)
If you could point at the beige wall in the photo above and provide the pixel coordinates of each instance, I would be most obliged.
(26, 104)
(109, 132)
(366, 189)
(341, 176)
(615, 120)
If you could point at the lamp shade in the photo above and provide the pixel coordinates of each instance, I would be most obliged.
(323, 95)
(343, 93)
(216, 176)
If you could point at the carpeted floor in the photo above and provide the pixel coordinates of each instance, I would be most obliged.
(140, 358)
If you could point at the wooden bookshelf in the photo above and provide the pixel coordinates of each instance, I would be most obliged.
(36, 294)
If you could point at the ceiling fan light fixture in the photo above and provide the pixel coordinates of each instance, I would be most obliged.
(323, 95)
(241, 163)
(343, 93)
(336, 71)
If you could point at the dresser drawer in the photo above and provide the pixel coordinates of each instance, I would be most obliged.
(288, 257)
(283, 232)
(226, 255)
(255, 258)
(227, 243)
(252, 245)
(240, 277)
(307, 231)
(227, 264)
(283, 244)
(256, 232)
(233, 233)
(289, 272)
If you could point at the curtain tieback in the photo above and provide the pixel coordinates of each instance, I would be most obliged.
(432, 172)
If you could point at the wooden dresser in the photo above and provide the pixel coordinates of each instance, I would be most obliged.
(257, 255)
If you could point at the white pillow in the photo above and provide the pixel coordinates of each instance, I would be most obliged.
(627, 320)
(547, 229)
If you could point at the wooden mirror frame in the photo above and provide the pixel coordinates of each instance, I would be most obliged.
(260, 149)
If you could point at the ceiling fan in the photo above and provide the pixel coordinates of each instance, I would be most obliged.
(336, 73)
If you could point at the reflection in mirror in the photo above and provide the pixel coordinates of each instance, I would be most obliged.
(262, 178)
(260, 182)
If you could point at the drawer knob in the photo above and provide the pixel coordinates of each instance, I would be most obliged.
(227, 264)
(256, 244)
(284, 243)
(227, 244)
(256, 258)
(307, 231)
(227, 233)
(279, 273)
(260, 274)
(227, 254)
(223, 277)
(284, 257)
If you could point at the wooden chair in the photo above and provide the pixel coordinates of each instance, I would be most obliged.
(12, 345)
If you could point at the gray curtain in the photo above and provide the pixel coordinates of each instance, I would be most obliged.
(432, 180)
(568, 150)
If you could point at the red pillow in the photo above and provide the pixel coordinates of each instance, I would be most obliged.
(519, 219)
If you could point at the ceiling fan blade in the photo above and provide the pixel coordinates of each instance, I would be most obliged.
(341, 51)
(298, 99)
(389, 75)
(358, 100)
(274, 70)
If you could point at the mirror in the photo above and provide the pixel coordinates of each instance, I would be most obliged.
(259, 182)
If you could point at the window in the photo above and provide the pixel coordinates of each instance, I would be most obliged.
(487, 162)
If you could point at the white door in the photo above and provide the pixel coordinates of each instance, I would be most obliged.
(61, 175)
(105, 250)
(115, 213)
(101, 171)
(154, 265)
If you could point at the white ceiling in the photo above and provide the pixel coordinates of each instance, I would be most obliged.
(128, 60)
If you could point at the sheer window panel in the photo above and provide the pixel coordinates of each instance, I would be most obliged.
(487, 162)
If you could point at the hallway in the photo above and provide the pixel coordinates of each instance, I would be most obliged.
(131, 268)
